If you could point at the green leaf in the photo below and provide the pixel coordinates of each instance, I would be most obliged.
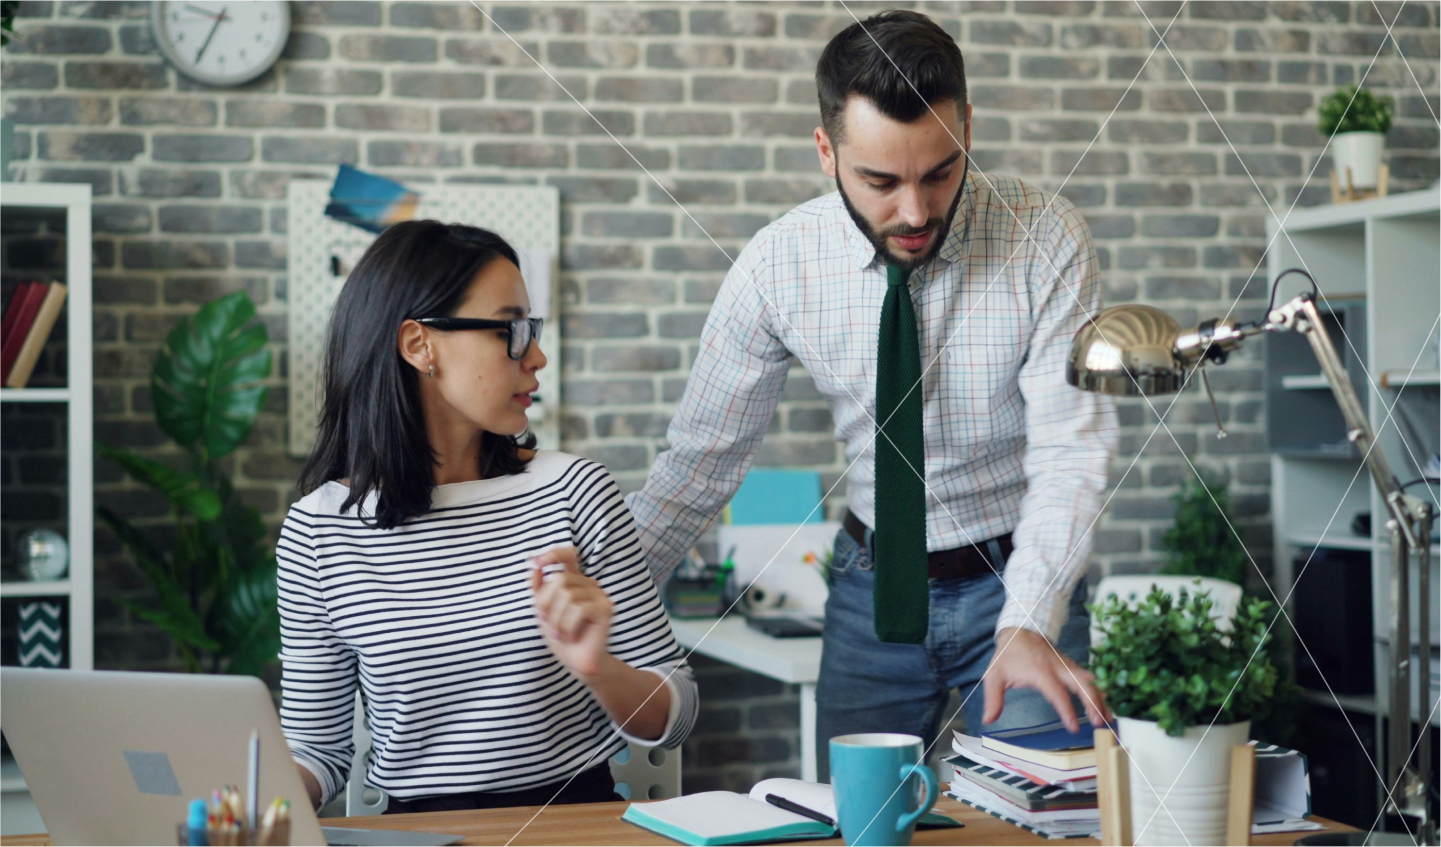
(1165, 660)
(240, 527)
(175, 616)
(1351, 109)
(1201, 542)
(248, 619)
(204, 380)
(176, 627)
(185, 491)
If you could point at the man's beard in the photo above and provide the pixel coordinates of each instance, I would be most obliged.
(879, 239)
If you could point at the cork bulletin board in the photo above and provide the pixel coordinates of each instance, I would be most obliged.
(324, 250)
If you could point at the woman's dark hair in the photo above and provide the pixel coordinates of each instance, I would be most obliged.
(372, 426)
(880, 59)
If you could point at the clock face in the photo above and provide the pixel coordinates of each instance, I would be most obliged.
(221, 42)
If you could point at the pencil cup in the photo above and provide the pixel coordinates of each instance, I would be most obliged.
(278, 834)
(244, 836)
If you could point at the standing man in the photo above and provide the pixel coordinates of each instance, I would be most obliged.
(934, 310)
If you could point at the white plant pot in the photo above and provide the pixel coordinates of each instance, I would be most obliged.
(1180, 786)
(1361, 152)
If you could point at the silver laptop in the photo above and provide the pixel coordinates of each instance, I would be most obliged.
(115, 758)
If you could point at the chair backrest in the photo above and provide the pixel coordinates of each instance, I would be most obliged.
(640, 773)
(1225, 596)
(360, 800)
(646, 773)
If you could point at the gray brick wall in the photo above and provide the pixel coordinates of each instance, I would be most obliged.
(717, 100)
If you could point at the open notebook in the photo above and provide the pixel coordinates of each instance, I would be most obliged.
(723, 817)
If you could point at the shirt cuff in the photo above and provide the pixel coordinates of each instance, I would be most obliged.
(671, 716)
(328, 791)
(1048, 611)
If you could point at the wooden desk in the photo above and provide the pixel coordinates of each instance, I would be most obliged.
(600, 824)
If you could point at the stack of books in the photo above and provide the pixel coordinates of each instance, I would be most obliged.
(31, 314)
(1040, 778)
(1043, 780)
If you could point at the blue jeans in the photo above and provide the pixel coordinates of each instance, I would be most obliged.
(867, 685)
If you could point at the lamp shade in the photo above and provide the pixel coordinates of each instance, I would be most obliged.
(1127, 351)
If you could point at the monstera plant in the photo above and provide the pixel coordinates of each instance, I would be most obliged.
(215, 583)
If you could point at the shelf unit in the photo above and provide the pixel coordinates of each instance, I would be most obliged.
(17, 811)
(1378, 265)
(78, 587)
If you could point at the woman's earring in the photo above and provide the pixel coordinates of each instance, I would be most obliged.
(432, 371)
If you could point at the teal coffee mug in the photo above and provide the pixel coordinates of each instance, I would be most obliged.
(871, 774)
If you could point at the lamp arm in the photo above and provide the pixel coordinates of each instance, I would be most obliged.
(1302, 316)
(1410, 529)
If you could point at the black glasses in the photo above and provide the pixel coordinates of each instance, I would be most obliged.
(522, 330)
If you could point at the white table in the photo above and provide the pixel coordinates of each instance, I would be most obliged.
(792, 660)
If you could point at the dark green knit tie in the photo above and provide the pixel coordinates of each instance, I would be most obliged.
(902, 579)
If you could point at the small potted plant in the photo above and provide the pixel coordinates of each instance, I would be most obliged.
(1356, 121)
(1184, 688)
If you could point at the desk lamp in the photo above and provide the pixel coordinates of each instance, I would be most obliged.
(1134, 350)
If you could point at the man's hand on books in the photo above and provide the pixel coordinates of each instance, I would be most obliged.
(1025, 659)
(573, 610)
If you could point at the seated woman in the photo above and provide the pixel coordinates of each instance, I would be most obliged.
(490, 599)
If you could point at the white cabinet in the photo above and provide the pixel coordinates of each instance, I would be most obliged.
(1378, 264)
(67, 207)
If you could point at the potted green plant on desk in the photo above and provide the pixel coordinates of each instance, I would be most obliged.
(216, 582)
(1184, 688)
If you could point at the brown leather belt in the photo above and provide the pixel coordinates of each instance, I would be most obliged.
(948, 564)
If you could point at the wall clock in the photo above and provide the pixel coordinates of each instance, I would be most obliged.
(220, 42)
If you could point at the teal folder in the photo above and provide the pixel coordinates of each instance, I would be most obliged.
(776, 495)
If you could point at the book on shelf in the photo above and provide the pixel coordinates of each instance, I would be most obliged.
(1049, 744)
(35, 337)
(12, 308)
(19, 315)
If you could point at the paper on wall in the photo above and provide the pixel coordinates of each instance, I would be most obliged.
(773, 555)
(535, 270)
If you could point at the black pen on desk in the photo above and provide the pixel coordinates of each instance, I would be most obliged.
(782, 803)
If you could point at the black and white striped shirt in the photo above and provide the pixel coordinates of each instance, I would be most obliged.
(434, 619)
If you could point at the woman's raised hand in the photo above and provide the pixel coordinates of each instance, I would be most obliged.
(574, 612)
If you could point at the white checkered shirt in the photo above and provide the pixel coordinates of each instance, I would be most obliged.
(1010, 446)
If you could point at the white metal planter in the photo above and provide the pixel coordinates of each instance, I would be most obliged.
(1180, 786)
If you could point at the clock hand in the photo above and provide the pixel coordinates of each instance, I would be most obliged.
(218, 20)
(199, 11)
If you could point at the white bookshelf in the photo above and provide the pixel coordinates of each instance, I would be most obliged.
(1385, 256)
(78, 587)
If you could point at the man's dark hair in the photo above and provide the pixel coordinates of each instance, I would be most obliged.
(858, 61)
